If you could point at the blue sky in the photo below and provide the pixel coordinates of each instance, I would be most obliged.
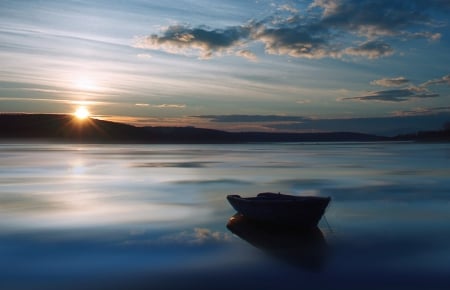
(368, 66)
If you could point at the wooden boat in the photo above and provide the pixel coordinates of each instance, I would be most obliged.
(281, 209)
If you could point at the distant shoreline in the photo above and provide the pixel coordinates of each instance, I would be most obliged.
(67, 129)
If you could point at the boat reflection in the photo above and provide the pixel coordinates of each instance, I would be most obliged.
(305, 248)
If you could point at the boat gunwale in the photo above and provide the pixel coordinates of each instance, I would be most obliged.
(280, 198)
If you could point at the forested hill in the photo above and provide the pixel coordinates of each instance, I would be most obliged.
(66, 128)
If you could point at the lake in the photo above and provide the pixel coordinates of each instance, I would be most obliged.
(75, 216)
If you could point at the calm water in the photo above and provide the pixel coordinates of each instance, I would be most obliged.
(155, 216)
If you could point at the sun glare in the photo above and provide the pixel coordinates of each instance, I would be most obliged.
(82, 113)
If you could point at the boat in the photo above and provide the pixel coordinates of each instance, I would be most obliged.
(281, 209)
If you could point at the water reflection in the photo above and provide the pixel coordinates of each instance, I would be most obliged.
(152, 216)
(305, 248)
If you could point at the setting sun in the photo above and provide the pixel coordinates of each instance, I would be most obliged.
(82, 113)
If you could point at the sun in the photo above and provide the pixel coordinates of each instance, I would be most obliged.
(81, 113)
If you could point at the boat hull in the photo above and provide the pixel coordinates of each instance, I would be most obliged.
(280, 209)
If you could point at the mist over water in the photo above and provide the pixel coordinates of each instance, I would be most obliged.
(155, 216)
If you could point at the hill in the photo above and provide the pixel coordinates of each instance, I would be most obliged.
(59, 127)
(425, 136)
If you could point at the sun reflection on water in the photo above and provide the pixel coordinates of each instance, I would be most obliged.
(87, 209)
(78, 167)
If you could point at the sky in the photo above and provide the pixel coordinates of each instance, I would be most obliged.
(378, 67)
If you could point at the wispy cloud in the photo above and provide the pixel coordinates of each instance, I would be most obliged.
(409, 93)
(252, 118)
(162, 106)
(328, 28)
(390, 82)
(445, 80)
(305, 101)
(62, 101)
(398, 95)
(144, 56)
(170, 106)
(422, 111)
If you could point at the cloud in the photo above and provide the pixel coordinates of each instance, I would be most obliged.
(327, 28)
(371, 49)
(170, 106)
(298, 41)
(427, 35)
(182, 39)
(144, 56)
(445, 80)
(373, 19)
(398, 95)
(422, 111)
(251, 118)
(305, 101)
(392, 82)
(401, 95)
(288, 8)
(245, 53)
(162, 106)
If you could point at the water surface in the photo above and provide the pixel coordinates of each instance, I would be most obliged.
(155, 216)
